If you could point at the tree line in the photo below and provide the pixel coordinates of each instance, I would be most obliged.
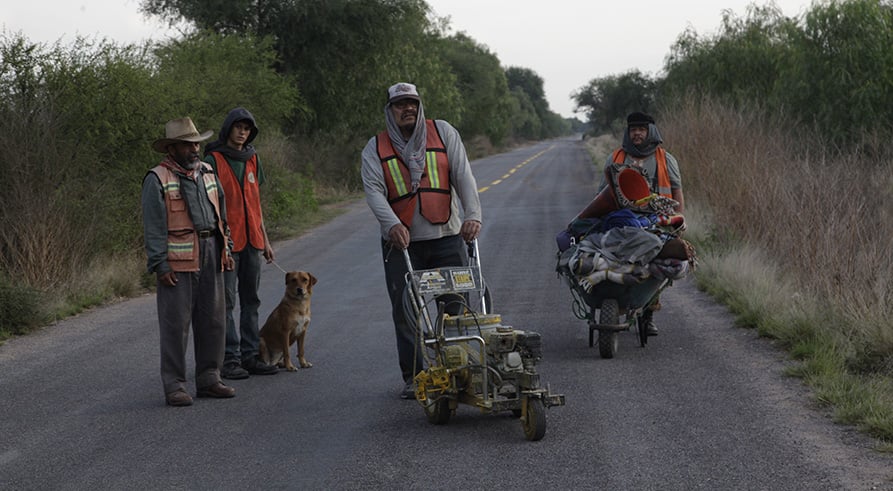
(829, 70)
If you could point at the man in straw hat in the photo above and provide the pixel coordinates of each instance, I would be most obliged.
(187, 246)
(416, 174)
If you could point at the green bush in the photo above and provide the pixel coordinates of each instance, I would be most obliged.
(19, 309)
(288, 199)
(832, 67)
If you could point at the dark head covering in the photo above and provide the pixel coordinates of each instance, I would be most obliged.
(219, 145)
(639, 119)
(649, 146)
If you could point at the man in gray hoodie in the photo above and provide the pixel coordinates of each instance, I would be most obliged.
(235, 161)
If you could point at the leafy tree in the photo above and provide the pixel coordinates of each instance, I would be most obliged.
(741, 63)
(207, 74)
(555, 125)
(832, 69)
(482, 83)
(342, 53)
(345, 53)
(607, 100)
(839, 70)
(223, 16)
(526, 123)
(528, 82)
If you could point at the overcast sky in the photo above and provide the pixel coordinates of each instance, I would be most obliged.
(566, 42)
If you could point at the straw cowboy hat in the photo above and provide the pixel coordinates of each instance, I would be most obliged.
(179, 130)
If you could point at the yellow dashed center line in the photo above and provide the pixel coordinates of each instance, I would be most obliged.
(514, 169)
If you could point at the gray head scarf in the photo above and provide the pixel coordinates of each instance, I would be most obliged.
(647, 147)
(412, 151)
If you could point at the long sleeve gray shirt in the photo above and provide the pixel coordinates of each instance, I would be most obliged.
(463, 190)
(201, 211)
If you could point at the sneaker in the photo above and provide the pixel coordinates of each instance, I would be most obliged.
(233, 371)
(256, 366)
(408, 391)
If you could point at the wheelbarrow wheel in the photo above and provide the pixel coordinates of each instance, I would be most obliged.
(535, 423)
(609, 314)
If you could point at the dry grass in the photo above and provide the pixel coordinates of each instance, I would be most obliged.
(822, 218)
(601, 147)
(796, 240)
(40, 242)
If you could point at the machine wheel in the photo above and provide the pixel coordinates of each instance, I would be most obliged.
(535, 424)
(607, 339)
(438, 413)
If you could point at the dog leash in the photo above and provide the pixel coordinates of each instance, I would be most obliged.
(274, 263)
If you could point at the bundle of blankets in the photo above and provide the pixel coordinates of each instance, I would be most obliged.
(626, 247)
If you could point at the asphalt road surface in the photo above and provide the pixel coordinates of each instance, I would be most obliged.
(704, 405)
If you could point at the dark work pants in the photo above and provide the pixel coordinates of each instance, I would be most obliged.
(243, 341)
(424, 254)
(196, 299)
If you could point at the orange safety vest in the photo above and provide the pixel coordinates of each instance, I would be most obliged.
(433, 196)
(243, 213)
(182, 241)
(663, 176)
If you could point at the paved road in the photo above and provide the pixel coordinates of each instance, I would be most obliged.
(704, 406)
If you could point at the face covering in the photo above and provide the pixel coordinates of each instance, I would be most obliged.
(412, 151)
(647, 147)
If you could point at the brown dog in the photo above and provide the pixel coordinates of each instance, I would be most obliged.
(288, 323)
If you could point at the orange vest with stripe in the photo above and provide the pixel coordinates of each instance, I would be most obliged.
(243, 212)
(433, 196)
(663, 175)
(182, 241)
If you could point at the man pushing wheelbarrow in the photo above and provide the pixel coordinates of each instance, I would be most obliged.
(624, 248)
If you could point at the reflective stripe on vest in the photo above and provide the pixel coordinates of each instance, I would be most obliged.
(243, 211)
(433, 196)
(664, 187)
(182, 241)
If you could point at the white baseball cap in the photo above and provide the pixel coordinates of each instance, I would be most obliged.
(402, 90)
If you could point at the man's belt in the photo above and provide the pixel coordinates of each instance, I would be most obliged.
(204, 234)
